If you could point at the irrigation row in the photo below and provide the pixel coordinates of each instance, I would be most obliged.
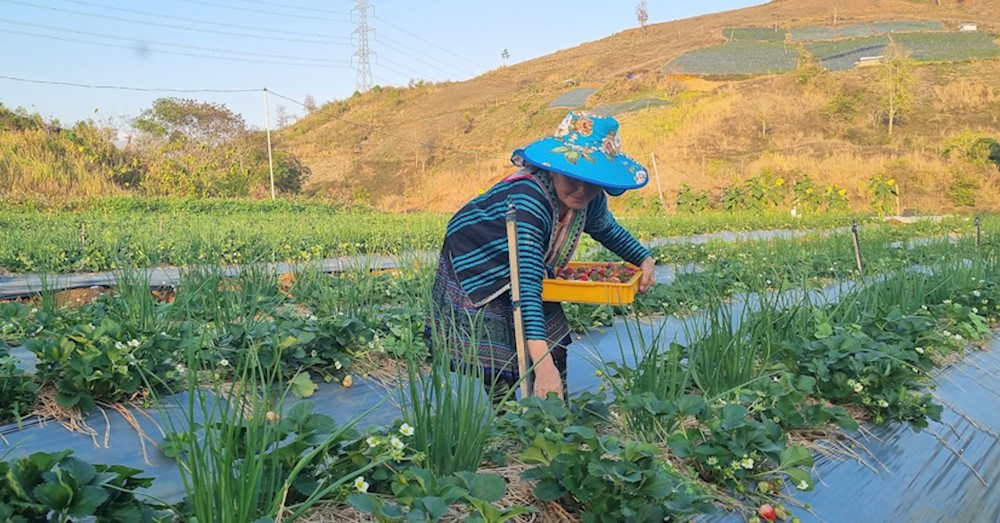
(113, 437)
(581, 379)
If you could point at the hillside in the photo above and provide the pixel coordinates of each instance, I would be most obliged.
(432, 146)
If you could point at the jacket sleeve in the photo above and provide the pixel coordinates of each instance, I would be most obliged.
(534, 226)
(602, 226)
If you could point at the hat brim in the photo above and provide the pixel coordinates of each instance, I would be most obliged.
(615, 174)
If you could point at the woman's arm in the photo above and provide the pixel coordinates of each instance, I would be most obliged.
(547, 378)
(602, 226)
(648, 267)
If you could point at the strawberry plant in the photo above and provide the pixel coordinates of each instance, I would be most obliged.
(91, 362)
(423, 496)
(60, 487)
(608, 479)
(17, 389)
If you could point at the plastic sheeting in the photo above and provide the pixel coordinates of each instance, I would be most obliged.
(947, 472)
(28, 284)
(116, 441)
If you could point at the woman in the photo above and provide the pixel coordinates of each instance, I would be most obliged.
(559, 193)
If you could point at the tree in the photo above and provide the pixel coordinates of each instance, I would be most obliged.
(205, 150)
(895, 84)
(763, 108)
(642, 14)
(310, 104)
(505, 55)
(180, 120)
(282, 117)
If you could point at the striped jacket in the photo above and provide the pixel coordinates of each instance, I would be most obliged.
(476, 243)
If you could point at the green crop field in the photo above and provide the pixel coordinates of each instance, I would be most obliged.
(736, 58)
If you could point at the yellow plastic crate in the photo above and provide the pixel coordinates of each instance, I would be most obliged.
(596, 292)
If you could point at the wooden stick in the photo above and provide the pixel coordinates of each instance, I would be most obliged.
(656, 172)
(515, 294)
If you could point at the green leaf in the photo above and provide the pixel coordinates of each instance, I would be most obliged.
(436, 507)
(586, 433)
(86, 501)
(658, 486)
(55, 496)
(796, 456)
(733, 416)
(649, 514)
(302, 385)
(299, 413)
(366, 503)
(549, 489)
(487, 487)
(68, 401)
(805, 384)
(541, 451)
(80, 470)
(823, 330)
(798, 475)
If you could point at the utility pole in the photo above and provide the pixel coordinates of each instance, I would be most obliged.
(363, 52)
(270, 158)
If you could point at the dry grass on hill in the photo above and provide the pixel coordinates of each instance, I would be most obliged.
(432, 147)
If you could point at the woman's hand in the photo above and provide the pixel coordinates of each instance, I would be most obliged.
(648, 274)
(547, 380)
(546, 375)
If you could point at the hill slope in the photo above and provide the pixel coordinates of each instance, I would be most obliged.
(431, 147)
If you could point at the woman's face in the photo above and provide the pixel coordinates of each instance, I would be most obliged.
(573, 193)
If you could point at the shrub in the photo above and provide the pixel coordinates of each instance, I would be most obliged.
(962, 190)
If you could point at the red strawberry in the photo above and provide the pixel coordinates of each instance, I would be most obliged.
(766, 511)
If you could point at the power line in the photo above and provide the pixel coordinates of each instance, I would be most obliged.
(309, 9)
(384, 59)
(261, 11)
(158, 16)
(125, 88)
(197, 30)
(320, 62)
(416, 58)
(429, 43)
(177, 53)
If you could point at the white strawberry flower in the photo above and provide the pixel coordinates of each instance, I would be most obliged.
(361, 484)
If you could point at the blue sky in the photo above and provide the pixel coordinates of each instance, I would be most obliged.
(107, 60)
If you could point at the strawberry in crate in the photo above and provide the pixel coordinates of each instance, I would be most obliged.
(607, 272)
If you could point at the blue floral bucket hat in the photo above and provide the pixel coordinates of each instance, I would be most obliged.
(586, 147)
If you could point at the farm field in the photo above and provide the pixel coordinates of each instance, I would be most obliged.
(759, 50)
(750, 369)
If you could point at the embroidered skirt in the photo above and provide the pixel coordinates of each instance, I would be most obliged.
(485, 335)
